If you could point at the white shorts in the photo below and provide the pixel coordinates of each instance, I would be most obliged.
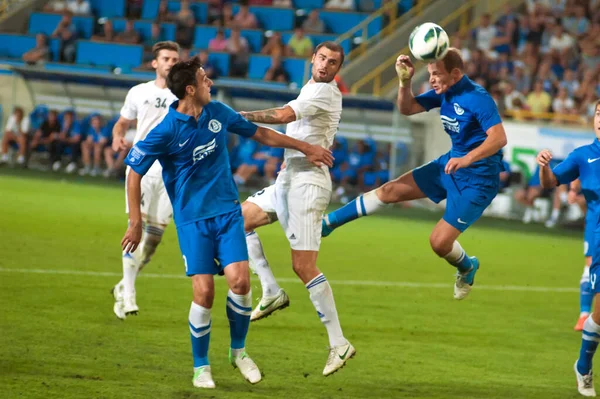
(298, 206)
(155, 202)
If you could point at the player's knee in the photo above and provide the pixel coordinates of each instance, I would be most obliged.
(439, 245)
(240, 284)
(204, 295)
(387, 193)
(151, 240)
(254, 217)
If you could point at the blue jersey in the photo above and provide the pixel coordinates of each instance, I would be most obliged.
(195, 161)
(583, 163)
(467, 112)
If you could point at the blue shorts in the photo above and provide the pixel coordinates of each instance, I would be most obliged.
(591, 221)
(466, 195)
(221, 237)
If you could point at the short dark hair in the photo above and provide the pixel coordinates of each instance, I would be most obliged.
(333, 46)
(19, 110)
(597, 105)
(453, 59)
(166, 45)
(183, 74)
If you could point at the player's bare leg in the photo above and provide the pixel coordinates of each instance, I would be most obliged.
(321, 295)
(589, 343)
(273, 297)
(8, 138)
(443, 241)
(404, 188)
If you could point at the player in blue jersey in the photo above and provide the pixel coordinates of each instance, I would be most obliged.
(583, 163)
(191, 145)
(467, 176)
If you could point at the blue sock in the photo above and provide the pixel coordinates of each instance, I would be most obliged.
(586, 296)
(589, 342)
(199, 321)
(239, 308)
(362, 205)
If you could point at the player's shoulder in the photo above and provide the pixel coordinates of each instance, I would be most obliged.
(323, 88)
(217, 107)
(142, 87)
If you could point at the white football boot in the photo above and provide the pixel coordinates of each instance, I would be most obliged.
(203, 378)
(585, 383)
(117, 293)
(338, 356)
(247, 367)
(464, 281)
(268, 305)
(129, 305)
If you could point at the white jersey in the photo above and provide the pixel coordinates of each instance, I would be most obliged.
(148, 104)
(318, 111)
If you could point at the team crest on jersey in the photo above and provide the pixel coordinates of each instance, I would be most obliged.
(136, 155)
(214, 126)
(458, 109)
(202, 151)
(450, 124)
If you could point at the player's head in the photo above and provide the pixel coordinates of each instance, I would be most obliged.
(447, 71)
(166, 54)
(327, 61)
(187, 80)
(597, 119)
(18, 113)
(96, 122)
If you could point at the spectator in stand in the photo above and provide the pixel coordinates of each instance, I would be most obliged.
(538, 100)
(341, 84)
(484, 33)
(577, 22)
(56, 6)
(260, 2)
(465, 52)
(48, 131)
(69, 137)
(239, 51)
(314, 24)
(340, 5)
(561, 42)
(570, 82)
(134, 9)
(244, 19)
(129, 35)
(40, 53)
(276, 72)
(527, 195)
(522, 78)
(155, 37)
(282, 3)
(163, 12)
(80, 7)
(107, 34)
(563, 104)
(92, 148)
(226, 19)
(215, 10)
(67, 33)
(378, 173)
(547, 77)
(185, 23)
(265, 162)
(16, 131)
(114, 160)
(299, 45)
(590, 55)
(218, 43)
(359, 160)
(274, 46)
(587, 85)
(209, 68)
(514, 100)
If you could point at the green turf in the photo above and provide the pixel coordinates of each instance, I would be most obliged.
(59, 338)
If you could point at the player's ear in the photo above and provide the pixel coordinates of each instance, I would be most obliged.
(154, 63)
(190, 90)
(313, 58)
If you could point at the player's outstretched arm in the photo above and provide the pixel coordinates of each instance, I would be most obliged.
(119, 130)
(314, 153)
(547, 177)
(283, 114)
(133, 235)
(407, 104)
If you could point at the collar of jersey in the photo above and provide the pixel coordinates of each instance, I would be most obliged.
(179, 115)
(458, 86)
(597, 143)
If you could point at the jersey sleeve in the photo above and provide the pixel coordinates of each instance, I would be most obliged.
(429, 100)
(567, 170)
(486, 112)
(236, 123)
(320, 100)
(129, 109)
(143, 154)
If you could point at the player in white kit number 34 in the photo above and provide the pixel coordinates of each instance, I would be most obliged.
(299, 197)
(148, 103)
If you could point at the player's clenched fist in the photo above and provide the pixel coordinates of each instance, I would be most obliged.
(544, 157)
(404, 68)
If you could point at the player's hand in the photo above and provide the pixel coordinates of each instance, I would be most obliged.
(132, 238)
(404, 68)
(119, 143)
(455, 164)
(318, 155)
(544, 157)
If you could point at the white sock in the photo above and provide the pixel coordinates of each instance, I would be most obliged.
(322, 298)
(20, 159)
(130, 271)
(456, 254)
(260, 265)
(371, 203)
(555, 214)
(4, 157)
(200, 325)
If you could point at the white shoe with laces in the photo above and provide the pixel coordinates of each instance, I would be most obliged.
(203, 378)
(239, 359)
(268, 305)
(585, 383)
(129, 305)
(338, 356)
(117, 293)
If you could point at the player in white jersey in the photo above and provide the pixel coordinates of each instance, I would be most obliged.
(148, 103)
(299, 197)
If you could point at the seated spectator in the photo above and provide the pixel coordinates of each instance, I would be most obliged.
(341, 5)
(484, 33)
(134, 9)
(215, 10)
(559, 198)
(185, 25)
(359, 160)
(107, 35)
(16, 131)
(67, 33)
(563, 105)
(522, 78)
(528, 194)
(505, 175)
(561, 41)
(56, 6)
(299, 45)
(276, 72)
(260, 2)
(538, 100)
(237, 47)
(92, 148)
(577, 24)
(465, 52)
(218, 43)
(114, 157)
(47, 133)
(313, 24)
(244, 19)
(40, 53)
(209, 68)
(514, 100)
(570, 82)
(80, 7)
(377, 173)
(163, 12)
(129, 35)
(274, 46)
(155, 37)
(242, 152)
(69, 137)
(226, 18)
(283, 3)
(265, 162)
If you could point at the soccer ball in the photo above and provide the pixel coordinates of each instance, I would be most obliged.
(428, 42)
